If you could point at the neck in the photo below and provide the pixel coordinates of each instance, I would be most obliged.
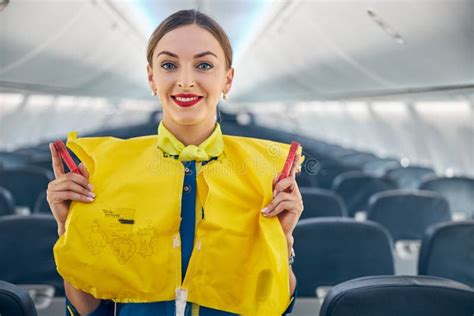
(190, 134)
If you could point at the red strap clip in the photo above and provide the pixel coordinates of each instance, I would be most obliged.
(62, 150)
(290, 160)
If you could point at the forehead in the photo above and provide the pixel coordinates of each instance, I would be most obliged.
(189, 40)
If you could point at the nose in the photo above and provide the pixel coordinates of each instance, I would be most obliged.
(184, 85)
(185, 80)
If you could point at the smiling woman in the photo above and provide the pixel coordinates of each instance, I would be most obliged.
(219, 246)
(189, 67)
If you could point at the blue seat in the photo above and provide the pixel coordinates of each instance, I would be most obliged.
(42, 205)
(15, 301)
(407, 214)
(447, 251)
(459, 191)
(333, 250)
(357, 160)
(409, 177)
(321, 203)
(379, 167)
(26, 183)
(357, 187)
(10, 160)
(7, 202)
(26, 245)
(399, 296)
(327, 171)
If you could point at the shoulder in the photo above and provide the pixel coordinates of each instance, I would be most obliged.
(256, 149)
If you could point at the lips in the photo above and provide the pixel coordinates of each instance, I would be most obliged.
(186, 99)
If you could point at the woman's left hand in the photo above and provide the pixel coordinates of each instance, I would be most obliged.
(287, 202)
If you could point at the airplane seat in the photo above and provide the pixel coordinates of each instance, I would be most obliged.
(321, 203)
(28, 244)
(15, 301)
(42, 205)
(447, 251)
(356, 188)
(379, 167)
(26, 184)
(327, 171)
(42, 160)
(307, 176)
(333, 250)
(399, 295)
(12, 160)
(409, 177)
(7, 202)
(357, 160)
(407, 214)
(459, 191)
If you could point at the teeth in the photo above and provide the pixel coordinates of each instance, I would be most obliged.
(186, 99)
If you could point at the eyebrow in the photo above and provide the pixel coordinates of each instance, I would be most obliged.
(195, 56)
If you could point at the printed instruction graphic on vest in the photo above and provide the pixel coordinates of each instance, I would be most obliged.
(120, 237)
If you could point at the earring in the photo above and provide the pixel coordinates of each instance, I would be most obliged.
(224, 95)
(154, 93)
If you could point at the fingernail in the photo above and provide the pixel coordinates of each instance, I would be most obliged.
(89, 199)
(91, 188)
(264, 210)
(91, 194)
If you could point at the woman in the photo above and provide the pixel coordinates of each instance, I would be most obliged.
(189, 67)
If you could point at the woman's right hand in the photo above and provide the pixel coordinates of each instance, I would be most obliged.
(66, 187)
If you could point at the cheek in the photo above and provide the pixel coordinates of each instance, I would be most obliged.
(211, 85)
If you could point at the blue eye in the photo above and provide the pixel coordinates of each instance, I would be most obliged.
(206, 68)
(166, 68)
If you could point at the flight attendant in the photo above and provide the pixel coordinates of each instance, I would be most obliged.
(189, 69)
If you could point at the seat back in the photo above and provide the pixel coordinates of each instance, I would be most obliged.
(357, 160)
(327, 171)
(42, 205)
(26, 183)
(357, 187)
(447, 251)
(407, 214)
(321, 203)
(333, 250)
(399, 295)
(15, 301)
(409, 177)
(7, 202)
(26, 245)
(379, 167)
(459, 191)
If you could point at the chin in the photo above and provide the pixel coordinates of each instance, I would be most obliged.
(189, 119)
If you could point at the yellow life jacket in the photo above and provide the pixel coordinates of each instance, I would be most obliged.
(125, 246)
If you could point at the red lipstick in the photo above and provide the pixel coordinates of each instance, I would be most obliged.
(186, 99)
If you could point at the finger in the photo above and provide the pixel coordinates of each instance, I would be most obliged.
(279, 197)
(57, 163)
(61, 196)
(83, 170)
(294, 168)
(73, 187)
(290, 206)
(77, 178)
(284, 185)
(274, 182)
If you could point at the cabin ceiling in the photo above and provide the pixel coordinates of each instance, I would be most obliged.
(285, 50)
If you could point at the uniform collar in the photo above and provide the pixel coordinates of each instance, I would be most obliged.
(212, 146)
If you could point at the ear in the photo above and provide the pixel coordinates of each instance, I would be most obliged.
(229, 79)
(149, 71)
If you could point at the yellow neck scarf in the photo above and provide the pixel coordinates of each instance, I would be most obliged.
(210, 147)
